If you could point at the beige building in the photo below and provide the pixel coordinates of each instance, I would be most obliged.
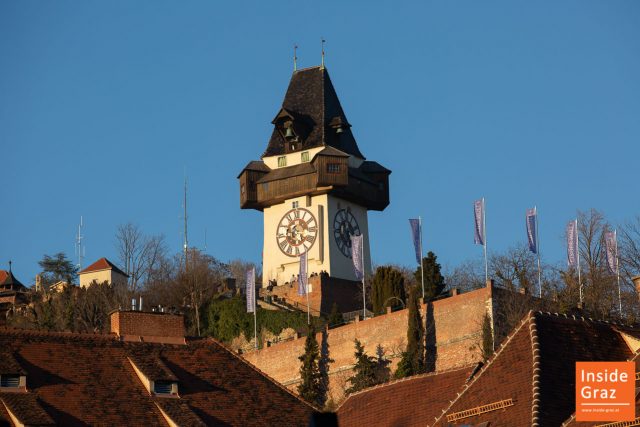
(102, 271)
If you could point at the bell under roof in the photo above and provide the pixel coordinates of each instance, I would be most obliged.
(312, 101)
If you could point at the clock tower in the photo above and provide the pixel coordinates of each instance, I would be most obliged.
(313, 185)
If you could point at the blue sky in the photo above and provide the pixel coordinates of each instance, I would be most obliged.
(104, 104)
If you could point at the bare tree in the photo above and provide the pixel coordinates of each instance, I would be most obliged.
(138, 253)
(238, 270)
(467, 276)
(629, 248)
(198, 280)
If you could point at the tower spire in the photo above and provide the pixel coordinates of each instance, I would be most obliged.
(322, 42)
(295, 58)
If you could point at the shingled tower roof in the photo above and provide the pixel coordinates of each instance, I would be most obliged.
(312, 104)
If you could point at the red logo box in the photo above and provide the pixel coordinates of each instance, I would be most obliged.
(605, 391)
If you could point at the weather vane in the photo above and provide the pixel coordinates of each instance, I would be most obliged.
(322, 41)
(295, 58)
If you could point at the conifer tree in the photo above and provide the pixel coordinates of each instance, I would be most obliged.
(335, 317)
(413, 358)
(487, 337)
(310, 389)
(364, 369)
(433, 279)
(386, 284)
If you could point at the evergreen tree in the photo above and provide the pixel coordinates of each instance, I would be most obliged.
(382, 366)
(487, 337)
(413, 358)
(335, 317)
(310, 389)
(56, 268)
(433, 279)
(364, 369)
(387, 285)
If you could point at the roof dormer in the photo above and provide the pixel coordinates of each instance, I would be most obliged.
(292, 128)
(13, 379)
(154, 375)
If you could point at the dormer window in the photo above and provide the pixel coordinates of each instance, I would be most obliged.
(282, 161)
(154, 375)
(166, 388)
(12, 382)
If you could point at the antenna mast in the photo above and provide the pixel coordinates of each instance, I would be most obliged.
(79, 246)
(186, 240)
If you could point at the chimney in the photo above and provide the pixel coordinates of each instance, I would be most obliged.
(140, 326)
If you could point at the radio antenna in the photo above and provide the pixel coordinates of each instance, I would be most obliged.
(185, 244)
(79, 246)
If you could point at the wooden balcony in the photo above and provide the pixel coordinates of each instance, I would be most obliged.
(365, 186)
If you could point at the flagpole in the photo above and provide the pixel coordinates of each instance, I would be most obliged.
(484, 232)
(421, 257)
(578, 257)
(364, 299)
(306, 285)
(255, 311)
(615, 238)
(535, 210)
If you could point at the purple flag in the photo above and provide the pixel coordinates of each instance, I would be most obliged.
(302, 277)
(478, 216)
(251, 290)
(531, 230)
(416, 233)
(572, 244)
(357, 256)
(611, 244)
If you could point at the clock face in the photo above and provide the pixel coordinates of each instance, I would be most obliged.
(345, 226)
(296, 232)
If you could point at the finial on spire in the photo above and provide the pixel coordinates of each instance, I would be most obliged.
(322, 41)
(9, 266)
(295, 57)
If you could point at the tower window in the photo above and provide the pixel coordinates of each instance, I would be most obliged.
(304, 156)
(282, 161)
(295, 205)
(333, 167)
(242, 189)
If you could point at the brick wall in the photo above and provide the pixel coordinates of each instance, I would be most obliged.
(148, 326)
(325, 291)
(454, 329)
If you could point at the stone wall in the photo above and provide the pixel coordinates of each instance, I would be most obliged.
(454, 329)
(324, 292)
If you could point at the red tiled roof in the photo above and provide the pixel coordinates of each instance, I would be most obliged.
(7, 278)
(84, 379)
(103, 264)
(407, 402)
(26, 408)
(538, 359)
